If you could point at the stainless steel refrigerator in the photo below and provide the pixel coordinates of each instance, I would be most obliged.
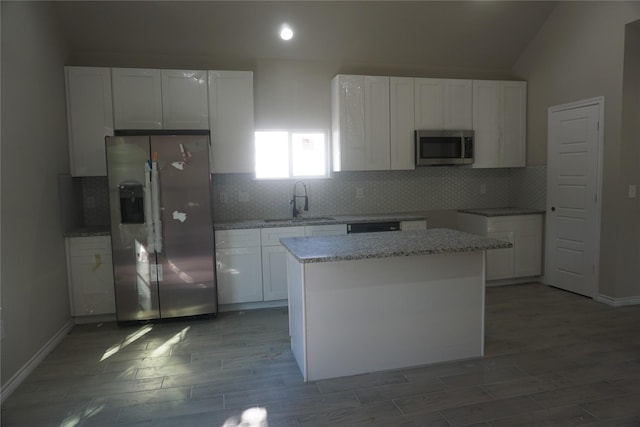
(161, 226)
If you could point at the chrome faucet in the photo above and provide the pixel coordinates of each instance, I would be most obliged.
(295, 196)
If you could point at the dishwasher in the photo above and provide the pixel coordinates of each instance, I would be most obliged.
(372, 227)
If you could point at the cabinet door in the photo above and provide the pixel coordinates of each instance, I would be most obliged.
(89, 117)
(513, 124)
(239, 275)
(429, 103)
(92, 279)
(500, 262)
(413, 225)
(528, 246)
(184, 99)
(457, 104)
(325, 230)
(376, 120)
(347, 122)
(231, 121)
(486, 124)
(90, 269)
(274, 273)
(402, 123)
(137, 98)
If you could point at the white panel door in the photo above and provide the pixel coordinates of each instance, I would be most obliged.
(274, 273)
(184, 99)
(402, 123)
(429, 100)
(89, 117)
(239, 274)
(376, 121)
(572, 197)
(457, 104)
(347, 105)
(486, 125)
(231, 119)
(513, 127)
(137, 98)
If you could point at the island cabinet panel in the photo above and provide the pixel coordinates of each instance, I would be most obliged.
(238, 266)
(367, 315)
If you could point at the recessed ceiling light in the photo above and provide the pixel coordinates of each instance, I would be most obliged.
(286, 33)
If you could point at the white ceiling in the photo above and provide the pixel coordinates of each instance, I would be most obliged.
(450, 34)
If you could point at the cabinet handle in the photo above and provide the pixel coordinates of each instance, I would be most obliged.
(553, 208)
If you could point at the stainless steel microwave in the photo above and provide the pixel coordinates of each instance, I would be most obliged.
(444, 147)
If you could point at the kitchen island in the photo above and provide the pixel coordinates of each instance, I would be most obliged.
(376, 301)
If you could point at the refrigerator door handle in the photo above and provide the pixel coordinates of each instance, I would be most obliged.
(148, 209)
(155, 206)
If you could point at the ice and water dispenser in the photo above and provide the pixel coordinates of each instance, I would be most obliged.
(131, 204)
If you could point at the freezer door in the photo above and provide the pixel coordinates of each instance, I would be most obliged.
(186, 275)
(135, 287)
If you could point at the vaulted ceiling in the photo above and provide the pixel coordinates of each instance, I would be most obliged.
(448, 34)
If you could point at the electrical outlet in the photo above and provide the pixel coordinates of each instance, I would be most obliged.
(243, 196)
(483, 188)
(359, 193)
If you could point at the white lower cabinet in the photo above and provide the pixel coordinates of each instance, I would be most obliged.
(524, 259)
(274, 261)
(90, 268)
(238, 266)
(251, 264)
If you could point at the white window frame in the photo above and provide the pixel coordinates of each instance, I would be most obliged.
(290, 133)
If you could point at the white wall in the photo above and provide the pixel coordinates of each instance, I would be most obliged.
(34, 151)
(579, 54)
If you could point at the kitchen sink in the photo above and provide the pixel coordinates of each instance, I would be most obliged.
(301, 219)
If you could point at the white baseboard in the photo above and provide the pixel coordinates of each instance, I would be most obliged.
(617, 302)
(33, 363)
(252, 305)
(513, 281)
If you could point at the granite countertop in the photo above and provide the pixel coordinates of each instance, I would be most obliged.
(387, 244)
(89, 231)
(502, 211)
(317, 220)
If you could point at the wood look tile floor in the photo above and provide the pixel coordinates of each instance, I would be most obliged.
(552, 359)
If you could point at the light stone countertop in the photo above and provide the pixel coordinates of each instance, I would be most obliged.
(89, 231)
(316, 220)
(502, 211)
(387, 244)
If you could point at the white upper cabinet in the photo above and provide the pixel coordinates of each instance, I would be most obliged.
(402, 124)
(376, 123)
(160, 99)
(184, 99)
(443, 104)
(231, 120)
(499, 122)
(360, 123)
(137, 98)
(90, 118)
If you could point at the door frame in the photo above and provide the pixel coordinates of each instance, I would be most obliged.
(599, 101)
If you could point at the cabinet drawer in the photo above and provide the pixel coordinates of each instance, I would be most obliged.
(83, 246)
(522, 223)
(272, 236)
(325, 230)
(237, 238)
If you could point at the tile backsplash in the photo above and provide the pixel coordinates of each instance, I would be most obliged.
(428, 188)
